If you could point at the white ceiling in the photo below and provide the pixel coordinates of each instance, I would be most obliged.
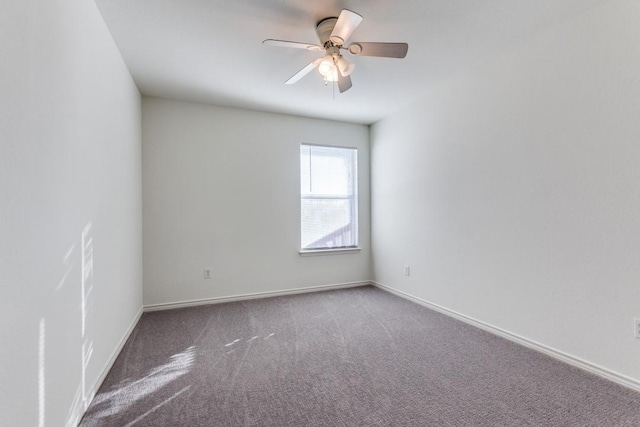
(211, 50)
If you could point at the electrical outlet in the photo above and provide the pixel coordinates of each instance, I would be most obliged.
(407, 270)
(636, 328)
(207, 273)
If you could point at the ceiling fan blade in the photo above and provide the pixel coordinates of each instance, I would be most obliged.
(306, 70)
(385, 50)
(347, 22)
(297, 45)
(344, 82)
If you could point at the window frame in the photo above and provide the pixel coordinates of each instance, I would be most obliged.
(354, 205)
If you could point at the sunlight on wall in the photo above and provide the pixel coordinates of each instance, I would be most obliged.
(86, 287)
(69, 263)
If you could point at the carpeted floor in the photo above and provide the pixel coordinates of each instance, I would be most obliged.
(353, 357)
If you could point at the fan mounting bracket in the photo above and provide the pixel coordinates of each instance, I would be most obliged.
(324, 28)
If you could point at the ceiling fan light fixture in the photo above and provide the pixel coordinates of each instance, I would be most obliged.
(333, 33)
(333, 77)
(327, 67)
(345, 66)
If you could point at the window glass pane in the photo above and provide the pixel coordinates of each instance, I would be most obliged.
(328, 189)
(327, 223)
(327, 170)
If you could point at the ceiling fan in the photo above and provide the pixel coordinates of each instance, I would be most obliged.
(333, 34)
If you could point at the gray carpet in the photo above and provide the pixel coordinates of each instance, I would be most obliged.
(353, 357)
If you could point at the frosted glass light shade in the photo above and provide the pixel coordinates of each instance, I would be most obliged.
(346, 67)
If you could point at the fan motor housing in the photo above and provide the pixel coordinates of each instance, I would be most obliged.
(325, 28)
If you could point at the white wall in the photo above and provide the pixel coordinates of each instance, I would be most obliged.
(514, 191)
(221, 189)
(69, 174)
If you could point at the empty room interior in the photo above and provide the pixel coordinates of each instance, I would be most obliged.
(319, 213)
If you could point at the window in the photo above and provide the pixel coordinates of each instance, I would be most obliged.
(328, 197)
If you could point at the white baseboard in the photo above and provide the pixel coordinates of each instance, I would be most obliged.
(218, 300)
(81, 406)
(556, 354)
(115, 353)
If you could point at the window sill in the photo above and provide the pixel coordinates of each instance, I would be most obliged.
(337, 251)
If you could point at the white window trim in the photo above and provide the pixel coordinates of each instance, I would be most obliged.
(329, 251)
(340, 250)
